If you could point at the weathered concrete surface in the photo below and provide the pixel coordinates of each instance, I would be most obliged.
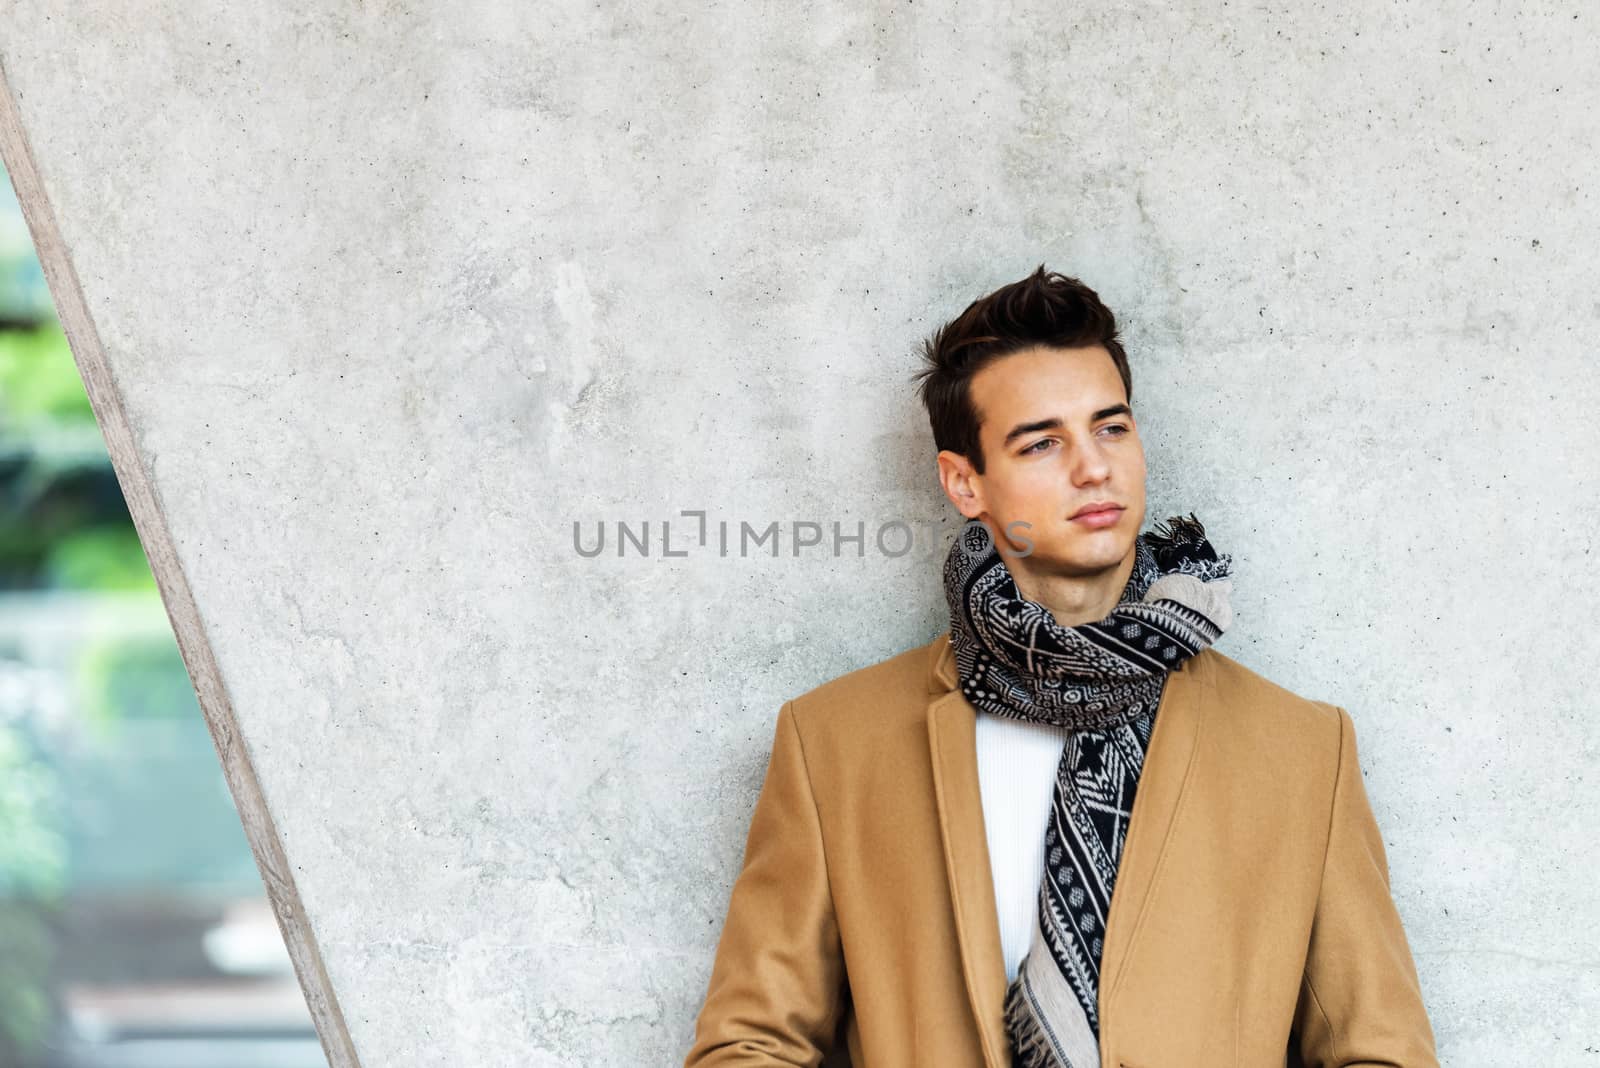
(390, 297)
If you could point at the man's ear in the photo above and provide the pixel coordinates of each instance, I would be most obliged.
(962, 485)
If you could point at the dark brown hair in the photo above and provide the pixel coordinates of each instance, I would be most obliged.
(1044, 308)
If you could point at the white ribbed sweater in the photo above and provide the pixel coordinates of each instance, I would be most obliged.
(1016, 776)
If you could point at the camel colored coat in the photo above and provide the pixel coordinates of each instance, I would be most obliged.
(1251, 922)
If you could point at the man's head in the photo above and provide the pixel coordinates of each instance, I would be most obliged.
(1028, 392)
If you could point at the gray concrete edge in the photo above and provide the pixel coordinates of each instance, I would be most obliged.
(73, 312)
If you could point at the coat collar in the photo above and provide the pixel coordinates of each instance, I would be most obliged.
(952, 739)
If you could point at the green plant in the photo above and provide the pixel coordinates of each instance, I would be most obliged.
(39, 381)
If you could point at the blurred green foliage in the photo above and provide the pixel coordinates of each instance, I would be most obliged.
(116, 679)
(39, 383)
(32, 857)
(63, 522)
(104, 557)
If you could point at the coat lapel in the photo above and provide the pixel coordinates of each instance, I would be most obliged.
(952, 739)
(1168, 768)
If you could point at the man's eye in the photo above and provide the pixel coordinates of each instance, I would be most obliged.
(1119, 428)
(1035, 446)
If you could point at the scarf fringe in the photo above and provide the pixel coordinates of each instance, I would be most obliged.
(1177, 531)
(1180, 545)
(1030, 1048)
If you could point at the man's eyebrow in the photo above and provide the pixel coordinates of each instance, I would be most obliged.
(1054, 423)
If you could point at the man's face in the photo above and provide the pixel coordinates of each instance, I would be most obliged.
(1057, 435)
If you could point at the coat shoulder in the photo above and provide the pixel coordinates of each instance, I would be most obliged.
(878, 693)
(1268, 714)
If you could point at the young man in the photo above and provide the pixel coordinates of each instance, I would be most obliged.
(928, 879)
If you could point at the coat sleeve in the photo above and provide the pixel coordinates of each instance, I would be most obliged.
(1360, 1001)
(777, 981)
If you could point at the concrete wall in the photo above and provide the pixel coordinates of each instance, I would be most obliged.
(375, 301)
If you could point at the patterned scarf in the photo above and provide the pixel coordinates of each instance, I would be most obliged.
(1103, 681)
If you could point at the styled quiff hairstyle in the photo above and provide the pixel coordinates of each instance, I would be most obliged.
(1044, 308)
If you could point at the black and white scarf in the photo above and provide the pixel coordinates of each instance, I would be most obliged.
(1103, 681)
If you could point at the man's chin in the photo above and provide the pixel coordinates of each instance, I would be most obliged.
(1076, 560)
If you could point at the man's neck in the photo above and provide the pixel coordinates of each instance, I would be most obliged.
(1073, 599)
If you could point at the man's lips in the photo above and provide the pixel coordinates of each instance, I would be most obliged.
(1099, 519)
(1098, 508)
